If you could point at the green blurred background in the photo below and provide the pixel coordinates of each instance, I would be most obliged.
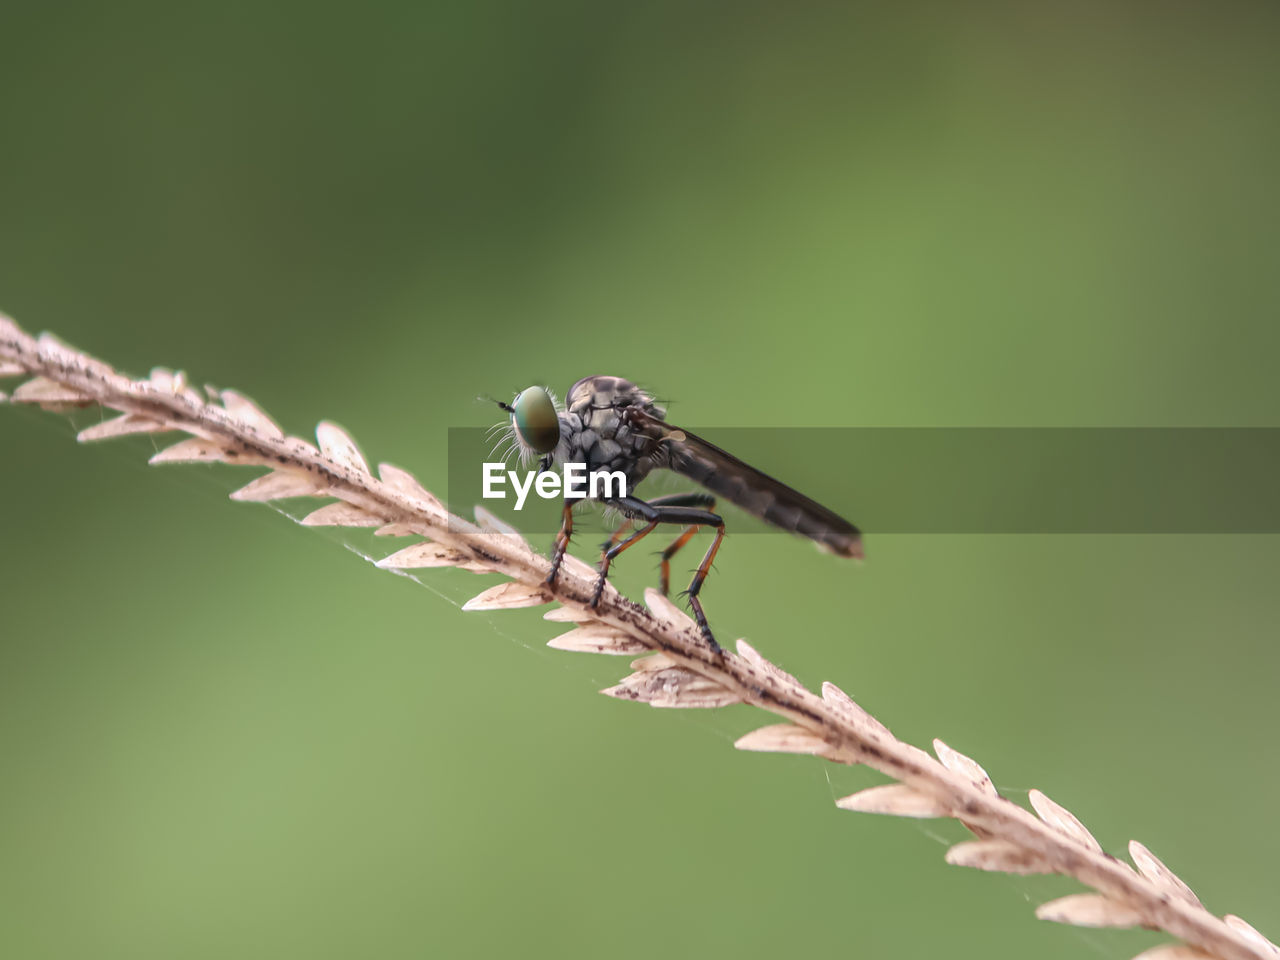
(222, 735)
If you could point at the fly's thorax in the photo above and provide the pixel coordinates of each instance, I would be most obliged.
(604, 441)
(601, 391)
(592, 394)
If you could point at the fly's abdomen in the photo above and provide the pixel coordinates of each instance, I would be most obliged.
(762, 496)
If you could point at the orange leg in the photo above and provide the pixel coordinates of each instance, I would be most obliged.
(684, 510)
(702, 500)
(667, 554)
(606, 557)
(623, 529)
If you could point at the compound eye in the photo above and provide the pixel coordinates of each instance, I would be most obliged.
(535, 419)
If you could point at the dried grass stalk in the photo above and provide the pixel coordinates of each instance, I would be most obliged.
(227, 427)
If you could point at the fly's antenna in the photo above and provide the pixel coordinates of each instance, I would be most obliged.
(485, 398)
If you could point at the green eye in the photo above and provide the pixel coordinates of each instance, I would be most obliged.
(535, 419)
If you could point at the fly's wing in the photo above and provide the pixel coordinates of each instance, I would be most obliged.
(758, 493)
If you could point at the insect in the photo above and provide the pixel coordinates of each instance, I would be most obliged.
(611, 424)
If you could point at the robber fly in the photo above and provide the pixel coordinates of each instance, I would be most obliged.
(612, 425)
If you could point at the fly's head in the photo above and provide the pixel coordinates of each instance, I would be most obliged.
(534, 427)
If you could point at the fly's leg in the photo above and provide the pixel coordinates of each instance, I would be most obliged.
(704, 500)
(607, 555)
(653, 514)
(623, 529)
(664, 569)
(562, 542)
(695, 586)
